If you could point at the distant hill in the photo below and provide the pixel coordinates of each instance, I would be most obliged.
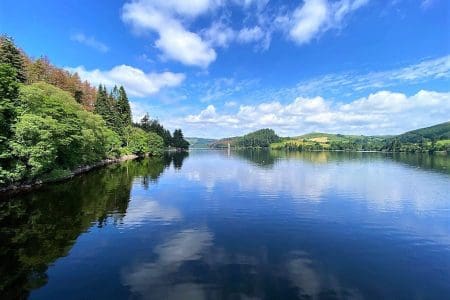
(432, 133)
(434, 138)
(196, 142)
(258, 138)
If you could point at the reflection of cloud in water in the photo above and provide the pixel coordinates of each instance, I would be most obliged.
(383, 184)
(311, 283)
(155, 279)
(184, 246)
(141, 211)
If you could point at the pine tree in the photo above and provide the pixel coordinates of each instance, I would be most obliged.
(114, 95)
(9, 54)
(106, 106)
(123, 107)
(178, 140)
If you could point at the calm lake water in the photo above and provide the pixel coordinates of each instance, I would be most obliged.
(239, 225)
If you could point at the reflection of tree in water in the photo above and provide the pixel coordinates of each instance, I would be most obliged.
(259, 157)
(436, 162)
(178, 158)
(267, 158)
(39, 227)
(151, 168)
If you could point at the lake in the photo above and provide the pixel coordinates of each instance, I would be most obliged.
(235, 225)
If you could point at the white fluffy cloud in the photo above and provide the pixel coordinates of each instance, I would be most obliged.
(136, 82)
(379, 113)
(175, 41)
(316, 16)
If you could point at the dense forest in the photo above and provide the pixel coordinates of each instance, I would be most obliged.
(430, 139)
(51, 122)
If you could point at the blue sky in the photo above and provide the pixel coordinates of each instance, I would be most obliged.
(226, 67)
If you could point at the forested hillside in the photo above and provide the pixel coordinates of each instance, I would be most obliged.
(51, 122)
(257, 139)
(430, 139)
(434, 133)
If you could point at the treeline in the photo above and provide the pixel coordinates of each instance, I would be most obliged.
(46, 130)
(365, 144)
(176, 140)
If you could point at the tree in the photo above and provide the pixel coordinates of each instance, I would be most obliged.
(149, 125)
(105, 106)
(9, 54)
(9, 93)
(156, 144)
(123, 107)
(178, 140)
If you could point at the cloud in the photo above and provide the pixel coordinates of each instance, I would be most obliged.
(150, 278)
(179, 37)
(175, 41)
(89, 41)
(136, 82)
(425, 4)
(383, 112)
(314, 17)
(219, 35)
(247, 35)
(350, 82)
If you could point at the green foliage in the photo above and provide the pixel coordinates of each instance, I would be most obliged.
(47, 129)
(178, 140)
(54, 132)
(155, 143)
(430, 139)
(9, 93)
(259, 138)
(137, 141)
(149, 125)
(433, 133)
(9, 54)
(123, 107)
(106, 106)
(140, 142)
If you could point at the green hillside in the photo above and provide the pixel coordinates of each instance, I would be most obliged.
(429, 139)
(433, 133)
(256, 139)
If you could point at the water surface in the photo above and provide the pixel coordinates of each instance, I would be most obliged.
(236, 225)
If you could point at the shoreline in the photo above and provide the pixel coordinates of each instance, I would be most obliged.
(18, 188)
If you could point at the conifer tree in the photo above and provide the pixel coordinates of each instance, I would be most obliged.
(123, 107)
(9, 54)
(178, 140)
